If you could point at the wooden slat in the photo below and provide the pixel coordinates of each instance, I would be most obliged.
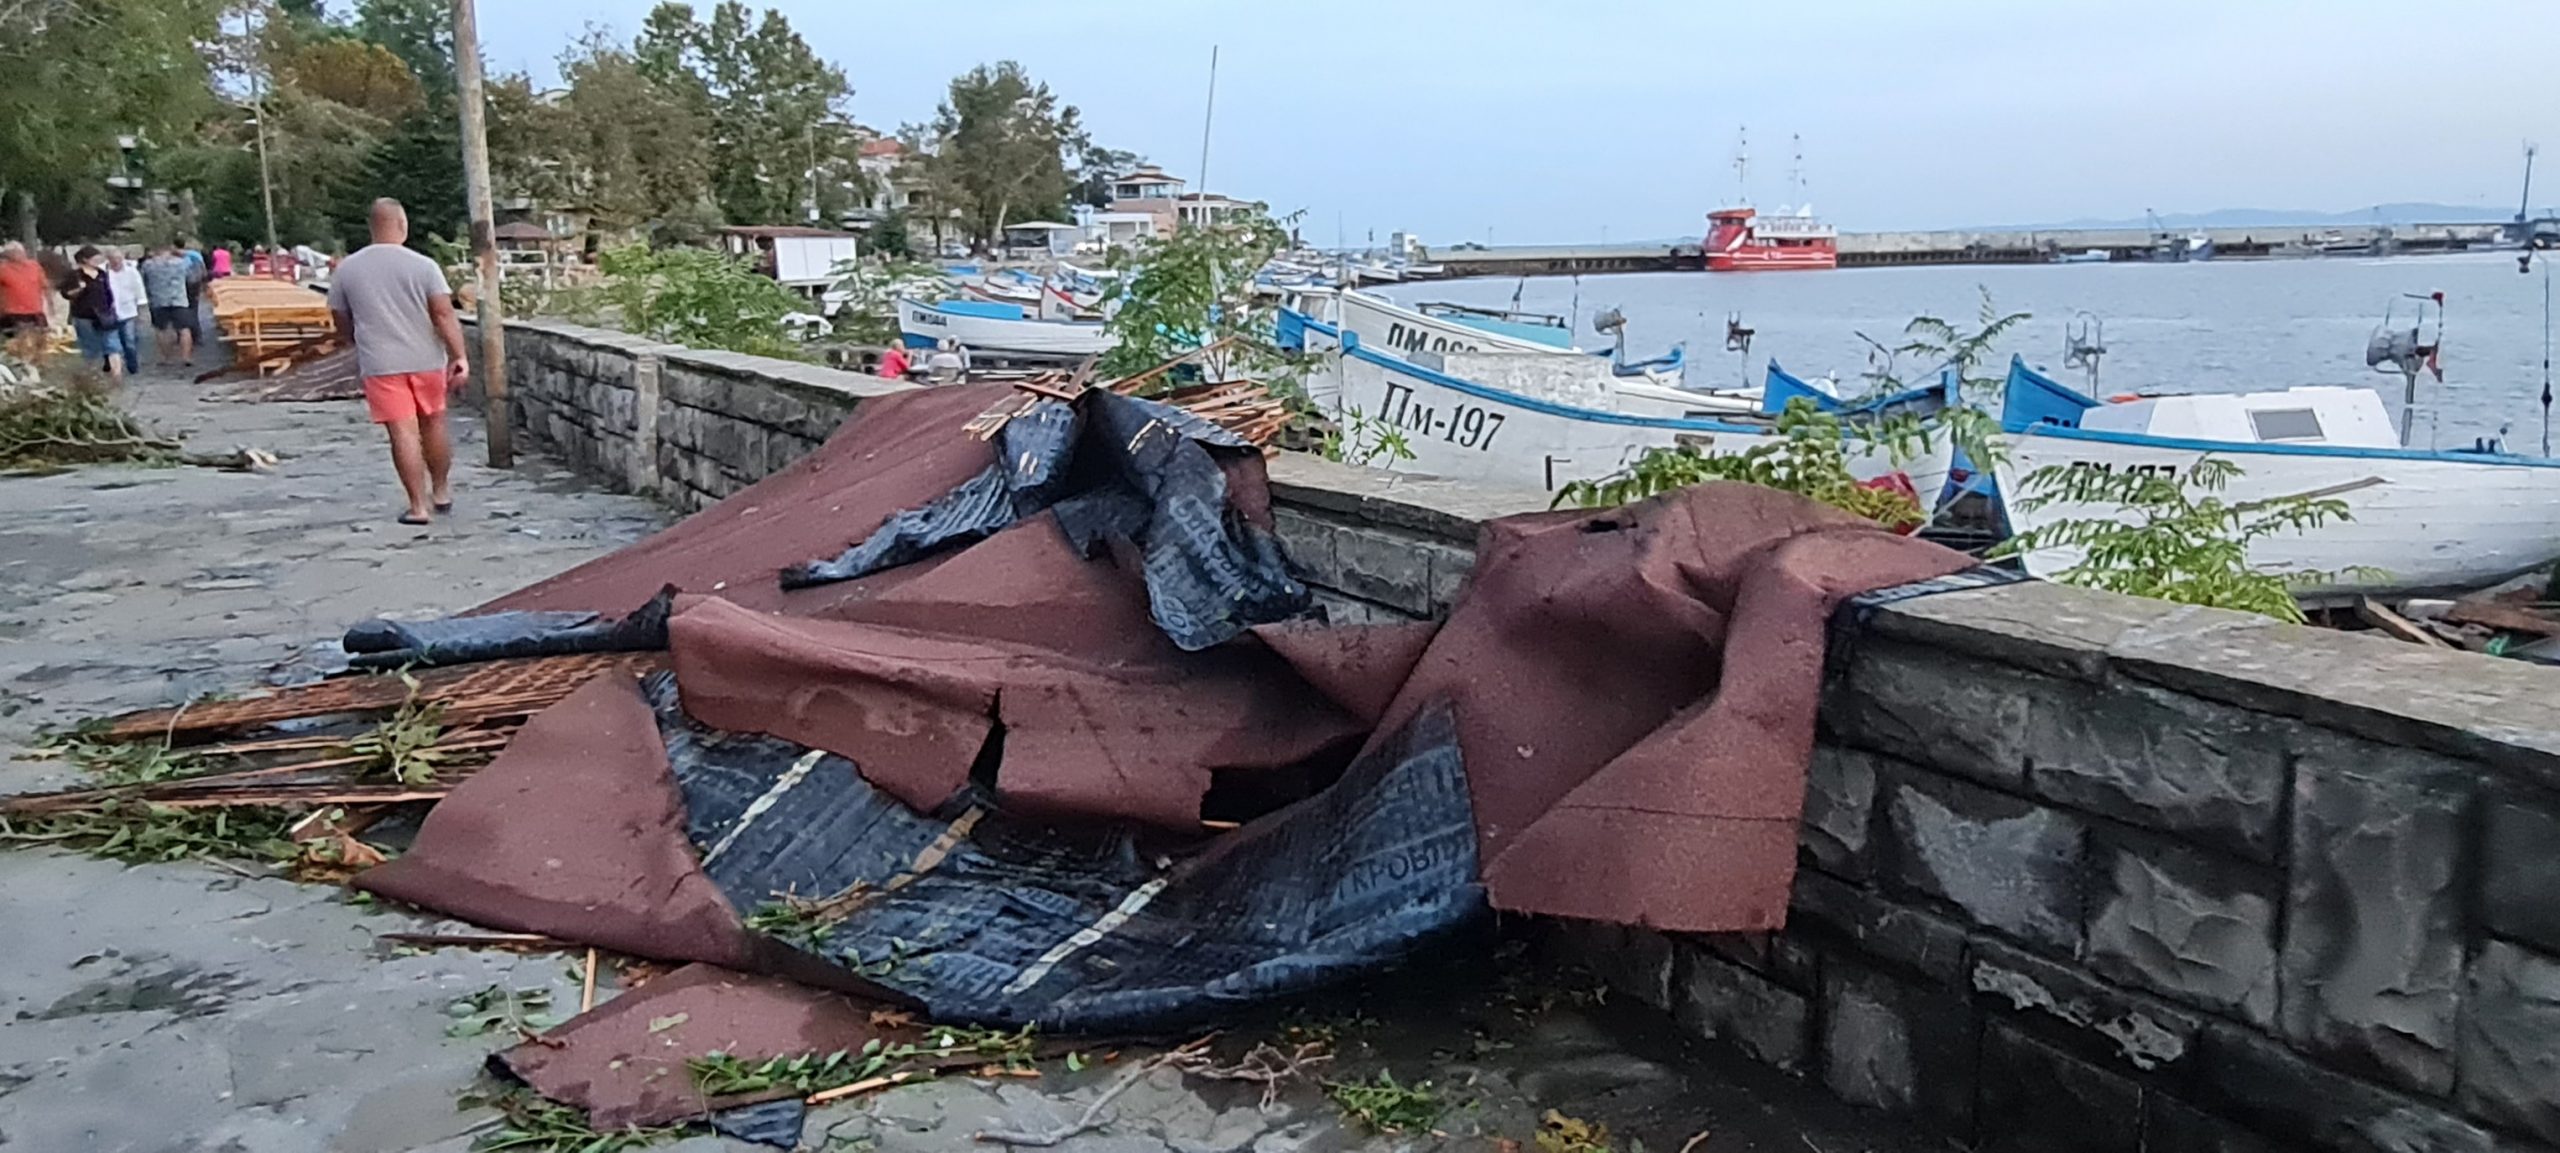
(468, 692)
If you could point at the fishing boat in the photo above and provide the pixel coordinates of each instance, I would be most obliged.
(990, 326)
(1652, 387)
(2084, 256)
(2422, 520)
(1520, 418)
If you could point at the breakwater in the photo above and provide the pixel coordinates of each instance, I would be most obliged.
(1986, 246)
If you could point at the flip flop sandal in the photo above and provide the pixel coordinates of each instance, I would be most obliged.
(414, 519)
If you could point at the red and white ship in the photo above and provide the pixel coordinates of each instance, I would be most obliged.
(1739, 239)
(1742, 240)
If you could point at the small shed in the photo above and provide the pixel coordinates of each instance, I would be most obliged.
(798, 256)
(529, 249)
(1045, 237)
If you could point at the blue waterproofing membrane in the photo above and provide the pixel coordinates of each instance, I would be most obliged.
(1113, 466)
(986, 919)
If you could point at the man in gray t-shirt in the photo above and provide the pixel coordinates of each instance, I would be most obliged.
(393, 302)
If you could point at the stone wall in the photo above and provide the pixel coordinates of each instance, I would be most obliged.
(2078, 871)
(2081, 871)
(684, 425)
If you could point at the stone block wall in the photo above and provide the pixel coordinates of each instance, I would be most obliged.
(2077, 871)
(684, 425)
(2080, 871)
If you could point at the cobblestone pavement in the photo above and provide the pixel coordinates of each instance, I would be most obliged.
(200, 1008)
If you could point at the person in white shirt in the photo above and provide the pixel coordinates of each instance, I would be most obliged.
(949, 363)
(124, 279)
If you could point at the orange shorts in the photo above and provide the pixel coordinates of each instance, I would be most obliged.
(404, 396)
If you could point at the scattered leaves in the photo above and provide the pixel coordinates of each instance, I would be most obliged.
(139, 833)
(1558, 1133)
(1386, 1106)
(497, 1009)
(403, 745)
(530, 1124)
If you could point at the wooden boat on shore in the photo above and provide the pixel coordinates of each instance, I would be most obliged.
(989, 326)
(2423, 521)
(1532, 419)
(1649, 388)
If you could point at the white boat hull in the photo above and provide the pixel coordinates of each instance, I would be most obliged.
(1385, 325)
(926, 325)
(1466, 431)
(1382, 324)
(2426, 521)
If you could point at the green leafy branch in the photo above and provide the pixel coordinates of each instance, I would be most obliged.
(1194, 289)
(1359, 439)
(1809, 457)
(1385, 1105)
(722, 1075)
(2174, 538)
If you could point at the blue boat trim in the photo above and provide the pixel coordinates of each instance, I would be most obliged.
(982, 309)
(1541, 334)
(1350, 343)
(2032, 399)
(1782, 386)
(2227, 447)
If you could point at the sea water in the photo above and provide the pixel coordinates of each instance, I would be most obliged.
(2213, 326)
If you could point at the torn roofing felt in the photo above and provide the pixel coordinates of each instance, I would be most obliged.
(1627, 696)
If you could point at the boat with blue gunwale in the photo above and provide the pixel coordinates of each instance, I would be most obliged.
(1546, 421)
(989, 326)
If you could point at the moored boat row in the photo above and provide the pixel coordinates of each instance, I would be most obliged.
(1510, 411)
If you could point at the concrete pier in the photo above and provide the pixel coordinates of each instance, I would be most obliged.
(1984, 246)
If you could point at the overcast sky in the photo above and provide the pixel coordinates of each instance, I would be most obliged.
(1552, 121)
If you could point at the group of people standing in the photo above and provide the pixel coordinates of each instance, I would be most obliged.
(110, 298)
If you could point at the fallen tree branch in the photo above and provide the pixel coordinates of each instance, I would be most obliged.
(1091, 1118)
(1093, 1112)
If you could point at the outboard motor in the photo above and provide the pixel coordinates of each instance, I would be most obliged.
(1612, 323)
(2084, 343)
(2410, 350)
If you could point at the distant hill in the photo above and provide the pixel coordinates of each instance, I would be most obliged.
(2405, 212)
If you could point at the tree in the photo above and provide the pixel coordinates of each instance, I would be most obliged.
(630, 149)
(998, 149)
(1096, 168)
(699, 298)
(774, 107)
(889, 236)
(419, 164)
(420, 33)
(1194, 289)
(78, 75)
(360, 75)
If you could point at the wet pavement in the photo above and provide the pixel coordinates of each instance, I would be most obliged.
(203, 1008)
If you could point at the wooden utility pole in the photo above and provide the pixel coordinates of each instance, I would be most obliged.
(484, 235)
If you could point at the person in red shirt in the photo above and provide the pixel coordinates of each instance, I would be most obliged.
(22, 322)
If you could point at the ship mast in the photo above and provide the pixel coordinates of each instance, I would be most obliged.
(1795, 175)
(1742, 165)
